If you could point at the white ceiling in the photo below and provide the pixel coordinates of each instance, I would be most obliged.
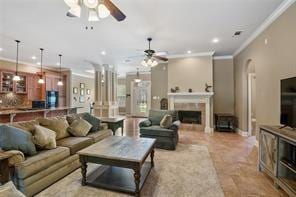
(175, 25)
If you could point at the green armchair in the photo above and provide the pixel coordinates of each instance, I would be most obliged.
(165, 138)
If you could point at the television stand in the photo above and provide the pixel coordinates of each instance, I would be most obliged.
(277, 156)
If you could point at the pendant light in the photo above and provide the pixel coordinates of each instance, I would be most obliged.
(41, 80)
(16, 77)
(138, 79)
(60, 82)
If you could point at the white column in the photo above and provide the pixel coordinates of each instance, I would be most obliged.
(208, 128)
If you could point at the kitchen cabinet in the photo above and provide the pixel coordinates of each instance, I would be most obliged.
(34, 89)
(8, 85)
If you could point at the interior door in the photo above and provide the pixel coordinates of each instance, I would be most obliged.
(141, 98)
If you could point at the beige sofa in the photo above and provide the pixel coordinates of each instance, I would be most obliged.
(37, 172)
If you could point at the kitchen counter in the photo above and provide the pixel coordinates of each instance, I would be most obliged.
(25, 114)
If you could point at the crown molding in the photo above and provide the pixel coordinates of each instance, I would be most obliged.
(83, 75)
(274, 15)
(34, 65)
(226, 57)
(141, 73)
(210, 53)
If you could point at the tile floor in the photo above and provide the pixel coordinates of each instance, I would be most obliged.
(235, 159)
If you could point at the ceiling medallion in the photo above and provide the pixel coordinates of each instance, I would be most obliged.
(97, 9)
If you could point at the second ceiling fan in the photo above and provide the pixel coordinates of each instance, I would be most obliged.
(151, 57)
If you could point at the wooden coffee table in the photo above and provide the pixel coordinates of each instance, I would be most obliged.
(123, 163)
(114, 123)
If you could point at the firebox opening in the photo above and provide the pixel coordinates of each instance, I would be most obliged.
(193, 117)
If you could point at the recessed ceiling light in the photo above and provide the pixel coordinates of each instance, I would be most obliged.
(38, 63)
(1, 49)
(34, 57)
(215, 40)
(103, 53)
(189, 52)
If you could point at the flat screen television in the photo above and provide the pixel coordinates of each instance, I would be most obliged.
(288, 102)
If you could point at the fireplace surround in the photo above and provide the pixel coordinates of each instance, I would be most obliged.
(195, 101)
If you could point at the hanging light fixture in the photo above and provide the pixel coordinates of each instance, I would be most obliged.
(93, 16)
(91, 3)
(149, 62)
(138, 79)
(41, 80)
(103, 11)
(60, 82)
(16, 77)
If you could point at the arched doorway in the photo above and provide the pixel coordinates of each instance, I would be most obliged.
(251, 98)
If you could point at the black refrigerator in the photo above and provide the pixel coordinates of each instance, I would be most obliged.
(52, 99)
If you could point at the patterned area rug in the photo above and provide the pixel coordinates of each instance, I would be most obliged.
(188, 171)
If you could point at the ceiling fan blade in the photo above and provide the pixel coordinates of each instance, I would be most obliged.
(114, 11)
(161, 58)
(70, 15)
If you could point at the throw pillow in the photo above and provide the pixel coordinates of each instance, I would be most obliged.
(166, 121)
(57, 124)
(26, 125)
(44, 138)
(8, 189)
(71, 117)
(79, 128)
(12, 138)
(94, 121)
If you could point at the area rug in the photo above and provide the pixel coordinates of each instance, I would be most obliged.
(188, 171)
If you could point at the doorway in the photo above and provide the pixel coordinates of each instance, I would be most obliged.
(252, 123)
(140, 98)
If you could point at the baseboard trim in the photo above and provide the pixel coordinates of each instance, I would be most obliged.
(242, 133)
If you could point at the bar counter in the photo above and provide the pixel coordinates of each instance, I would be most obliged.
(26, 114)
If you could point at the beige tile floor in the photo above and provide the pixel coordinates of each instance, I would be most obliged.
(235, 159)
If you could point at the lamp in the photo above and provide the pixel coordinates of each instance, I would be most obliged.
(71, 3)
(75, 11)
(92, 15)
(138, 79)
(41, 80)
(16, 77)
(60, 82)
(150, 62)
(103, 11)
(91, 3)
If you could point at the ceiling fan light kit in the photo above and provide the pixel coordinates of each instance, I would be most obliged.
(96, 9)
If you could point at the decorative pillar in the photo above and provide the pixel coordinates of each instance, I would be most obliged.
(106, 104)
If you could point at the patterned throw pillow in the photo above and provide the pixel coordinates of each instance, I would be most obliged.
(44, 138)
(166, 121)
(94, 121)
(79, 128)
(12, 138)
(57, 124)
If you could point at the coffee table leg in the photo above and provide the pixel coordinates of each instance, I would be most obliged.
(122, 123)
(152, 158)
(83, 171)
(137, 176)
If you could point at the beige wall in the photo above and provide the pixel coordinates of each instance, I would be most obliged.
(159, 84)
(128, 81)
(223, 86)
(273, 61)
(89, 84)
(190, 72)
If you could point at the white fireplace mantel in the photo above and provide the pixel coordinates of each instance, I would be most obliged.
(195, 97)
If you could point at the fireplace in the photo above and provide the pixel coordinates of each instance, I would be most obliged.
(193, 117)
(197, 108)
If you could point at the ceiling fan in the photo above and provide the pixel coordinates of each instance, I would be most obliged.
(150, 59)
(96, 9)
